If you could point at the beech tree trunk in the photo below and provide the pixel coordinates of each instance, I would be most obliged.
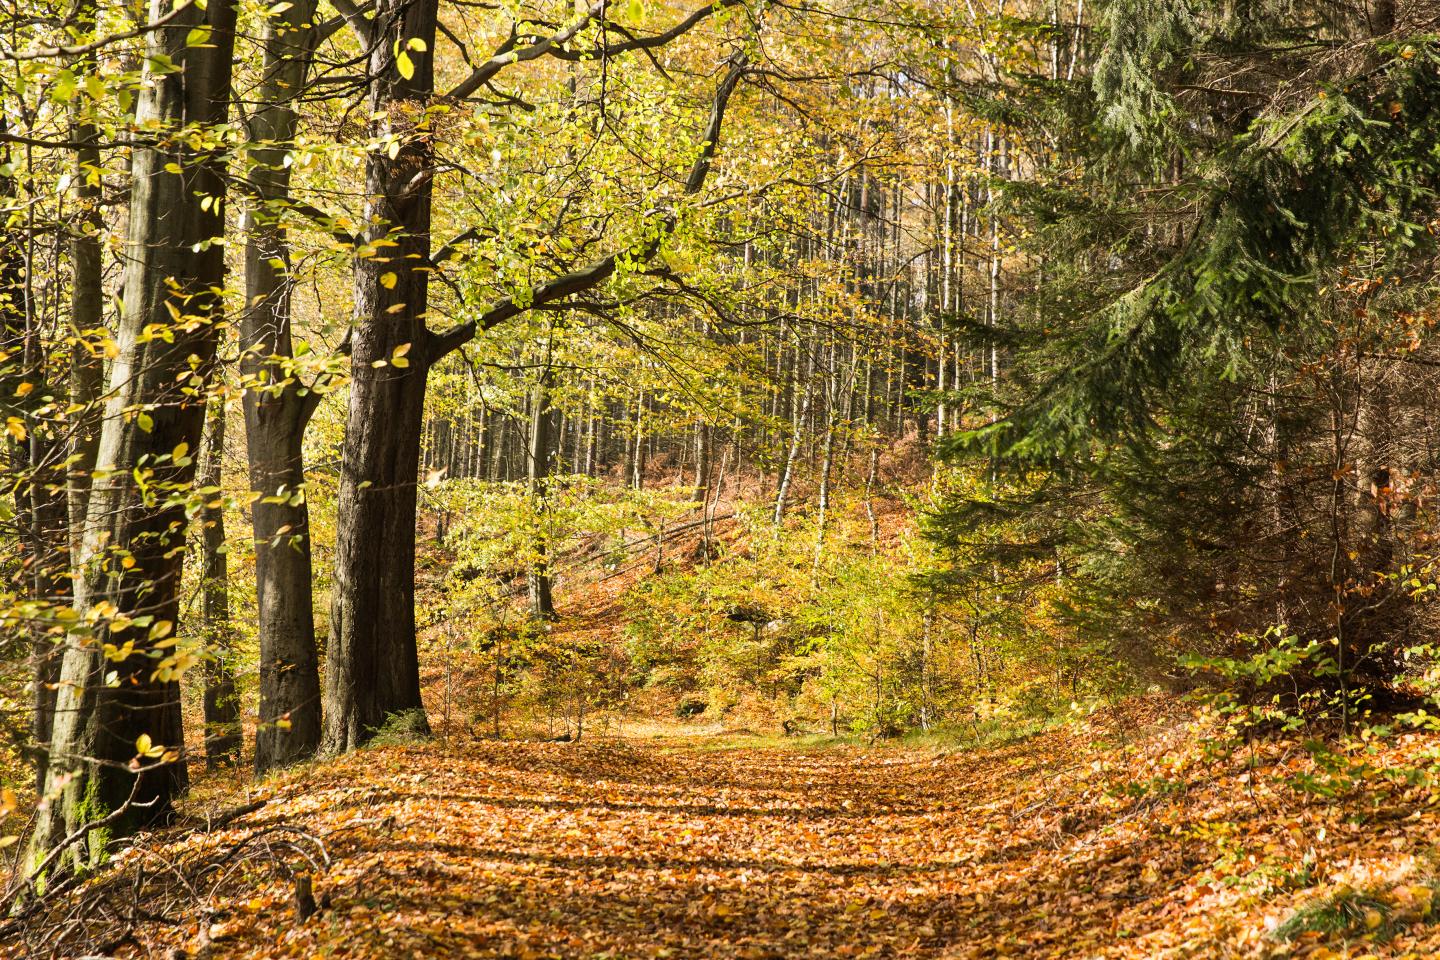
(223, 738)
(542, 602)
(133, 545)
(35, 462)
(278, 407)
(372, 669)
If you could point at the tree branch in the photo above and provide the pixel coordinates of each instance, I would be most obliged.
(80, 49)
(578, 281)
(554, 45)
(355, 17)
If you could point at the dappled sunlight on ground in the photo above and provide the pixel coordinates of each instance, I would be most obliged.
(1114, 837)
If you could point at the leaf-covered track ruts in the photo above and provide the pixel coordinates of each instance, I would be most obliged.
(667, 848)
(641, 849)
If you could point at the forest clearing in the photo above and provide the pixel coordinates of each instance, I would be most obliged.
(719, 478)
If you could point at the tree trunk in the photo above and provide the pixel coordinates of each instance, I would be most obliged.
(278, 407)
(36, 478)
(542, 603)
(223, 738)
(131, 555)
(372, 669)
(787, 473)
(827, 464)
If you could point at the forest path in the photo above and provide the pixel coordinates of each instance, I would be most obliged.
(663, 849)
(1122, 834)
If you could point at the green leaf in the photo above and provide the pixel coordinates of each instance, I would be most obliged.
(64, 87)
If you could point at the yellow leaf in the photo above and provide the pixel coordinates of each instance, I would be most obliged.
(143, 743)
(388, 280)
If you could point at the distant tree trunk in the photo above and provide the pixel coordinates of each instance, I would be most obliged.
(702, 463)
(594, 424)
(170, 267)
(502, 441)
(37, 482)
(87, 305)
(927, 625)
(372, 668)
(87, 297)
(278, 407)
(542, 603)
(1382, 17)
(637, 456)
(823, 507)
(223, 739)
(1375, 543)
(787, 473)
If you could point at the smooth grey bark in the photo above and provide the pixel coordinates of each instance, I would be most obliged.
(278, 408)
(787, 473)
(827, 461)
(223, 737)
(87, 365)
(169, 267)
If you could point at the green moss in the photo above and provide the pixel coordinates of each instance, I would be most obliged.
(88, 809)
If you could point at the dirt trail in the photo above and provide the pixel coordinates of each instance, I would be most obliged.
(629, 851)
(665, 849)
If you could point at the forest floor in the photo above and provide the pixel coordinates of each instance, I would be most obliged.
(1116, 835)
